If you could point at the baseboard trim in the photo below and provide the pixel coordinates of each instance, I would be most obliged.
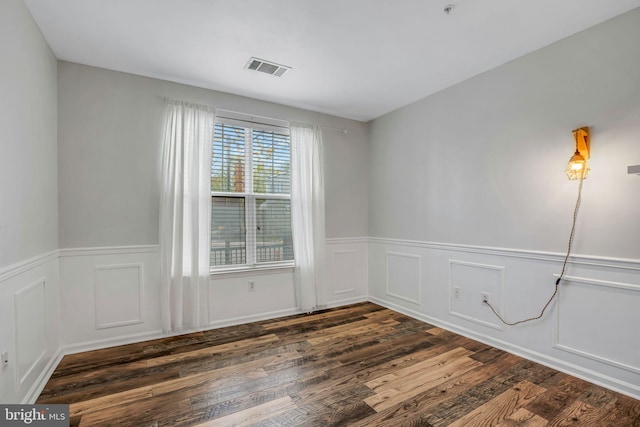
(614, 384)
(347, 301)
(253, 318)
(152, 335)
(43, 378)
(111, 342)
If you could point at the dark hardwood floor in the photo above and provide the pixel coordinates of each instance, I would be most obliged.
(361, 365)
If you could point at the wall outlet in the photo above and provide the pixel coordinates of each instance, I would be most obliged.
(485, 297)
(5, 359)
(252, 286)
(456, 292)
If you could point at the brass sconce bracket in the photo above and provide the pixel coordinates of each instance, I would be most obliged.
(583, 141)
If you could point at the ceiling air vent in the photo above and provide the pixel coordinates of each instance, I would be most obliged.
(267, 67)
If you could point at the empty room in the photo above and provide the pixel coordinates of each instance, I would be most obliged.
(313, 213)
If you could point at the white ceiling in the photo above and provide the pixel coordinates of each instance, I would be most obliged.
(352, 58)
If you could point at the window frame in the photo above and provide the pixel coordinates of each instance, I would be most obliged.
(251, 123)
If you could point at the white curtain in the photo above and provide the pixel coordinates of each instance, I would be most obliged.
(307, 216)
(185, 218)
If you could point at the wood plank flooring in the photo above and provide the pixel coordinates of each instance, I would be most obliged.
(361, 365)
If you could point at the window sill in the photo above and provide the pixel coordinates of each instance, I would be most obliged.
(220, 273)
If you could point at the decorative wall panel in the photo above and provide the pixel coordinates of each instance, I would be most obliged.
(31, 328)
(118, 295)
(468, 283)
(404, 276)
(344, 273)
(598, 319)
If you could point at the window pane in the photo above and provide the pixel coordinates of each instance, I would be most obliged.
(228, 243)
(273, 230)
(227, 163)
(271, 162)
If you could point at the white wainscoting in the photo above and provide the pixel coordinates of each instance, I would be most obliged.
(74, 300)
(468, 282)
(29, 327)
(109, 296)
(597, 319)
(347, 275)
(233, 302)
(588, 331)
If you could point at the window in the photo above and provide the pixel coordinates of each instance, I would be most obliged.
(250, 195)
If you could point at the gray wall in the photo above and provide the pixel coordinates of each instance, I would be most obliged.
(110, 141)
(481, 163)
(29, 291)
(28, 119)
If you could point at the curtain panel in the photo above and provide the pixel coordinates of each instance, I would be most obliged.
(185, 216)
(307, 216)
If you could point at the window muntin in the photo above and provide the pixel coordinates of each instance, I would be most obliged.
(251, 202)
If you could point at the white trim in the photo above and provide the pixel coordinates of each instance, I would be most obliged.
(22, 377)
(597, 358)
(591, 260)
(26, 265)
(140, 267)
(344, 251)
(597, 282)
(109, 250)
(32, 395)
(112, 342)
(347, 301)
(405, 255)
(343, 291)
(628, 389)
(556, 331)
(353, 252)
(241, 320)
(158, 334)
(347, 240)
(246, 271)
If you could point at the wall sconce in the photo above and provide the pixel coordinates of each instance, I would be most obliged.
(578, 167)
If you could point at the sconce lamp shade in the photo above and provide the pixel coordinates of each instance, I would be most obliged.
(578, 167)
